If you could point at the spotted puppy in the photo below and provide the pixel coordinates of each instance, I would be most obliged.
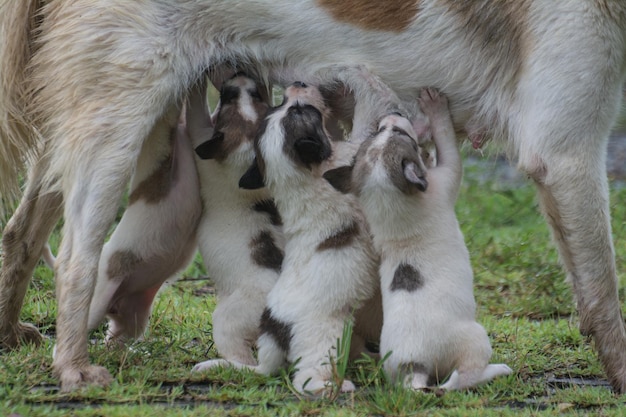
(330, 266)
(155, 239)
(429, 309)
(240, 232)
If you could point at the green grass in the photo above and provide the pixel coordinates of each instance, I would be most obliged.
(523, 301)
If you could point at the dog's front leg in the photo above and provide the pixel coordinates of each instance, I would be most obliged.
(22, 241)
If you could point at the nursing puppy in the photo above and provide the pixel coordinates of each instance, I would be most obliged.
(154, 240)
(429, 324)
(550, 85)
(240, 234)
(330, 267)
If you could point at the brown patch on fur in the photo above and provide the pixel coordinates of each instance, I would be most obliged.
(280, 331)
(121, 264)
(495, 30)
(265, 253)
(236, 129)
(156, 187)
(269, 207)
(396, 152)
(364, 162)
(390, 15)
(342, 238)
(340, 178)
(406, 278)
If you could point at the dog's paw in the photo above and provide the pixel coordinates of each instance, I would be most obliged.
(210, 364)
(432, 103)
(73, 378)
(497, 369)
(22, 334)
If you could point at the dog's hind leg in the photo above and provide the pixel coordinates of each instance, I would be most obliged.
(562, 139)
(23, 240)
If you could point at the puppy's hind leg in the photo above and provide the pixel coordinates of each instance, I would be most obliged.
(473, 366)
(22, 242)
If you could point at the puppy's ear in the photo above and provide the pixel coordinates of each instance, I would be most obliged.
(253, 178)
(414, 175)
(212, 147)
(340, 178)
(313, 149)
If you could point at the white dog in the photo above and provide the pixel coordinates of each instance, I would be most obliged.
(93, 77)
(330, 266)
(240, 234)
(429, 327)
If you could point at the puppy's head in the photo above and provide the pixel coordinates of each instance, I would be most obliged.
(390, 159)
(293, 140)
(240, 113)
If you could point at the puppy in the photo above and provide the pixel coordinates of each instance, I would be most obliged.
(526, 85)
(154, 240)
(429, 329)
(330, 267)
(240, 232)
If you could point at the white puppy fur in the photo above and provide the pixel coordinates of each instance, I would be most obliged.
(429, 327)
(545, 76)
(330, 267)
(240, 234)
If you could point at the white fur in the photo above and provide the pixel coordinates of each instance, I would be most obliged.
(433, 325)
(550, 84)
(228, 226)
(318, 289)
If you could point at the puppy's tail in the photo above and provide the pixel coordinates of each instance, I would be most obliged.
(18, 139)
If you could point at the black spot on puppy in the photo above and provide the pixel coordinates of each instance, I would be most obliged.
(343, 237)
(212, 148)
(252, 179)
(306, 143)
(406, 278)
(340, 178)
(229, 94)
(279, 330)
(265, 253)
(269, 207)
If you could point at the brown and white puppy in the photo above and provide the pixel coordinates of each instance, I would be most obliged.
(550, 85)
(154, 240)
(429, 330)
(330, 267)
(240, 234)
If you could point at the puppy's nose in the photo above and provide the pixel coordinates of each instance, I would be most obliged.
(299, 84)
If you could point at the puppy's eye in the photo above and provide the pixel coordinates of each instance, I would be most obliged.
(381, 129)
(255, 95)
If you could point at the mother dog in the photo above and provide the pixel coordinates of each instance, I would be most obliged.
(92, 79)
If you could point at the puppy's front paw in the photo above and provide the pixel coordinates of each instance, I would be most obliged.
(432, 103)
(210, 364)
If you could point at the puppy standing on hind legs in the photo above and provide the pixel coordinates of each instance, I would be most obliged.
(330, 264)
(429, 323)
(240, 234)
(156, 237)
